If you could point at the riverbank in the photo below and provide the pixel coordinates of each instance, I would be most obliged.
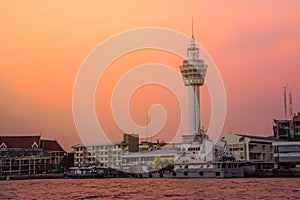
(257, 174)
(32, 176)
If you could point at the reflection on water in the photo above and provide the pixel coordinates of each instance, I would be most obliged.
(130, 188)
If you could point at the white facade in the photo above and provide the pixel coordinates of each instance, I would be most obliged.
(104, 154)
(287, 151)
(247, 148)
(194, 108)
(144, 162)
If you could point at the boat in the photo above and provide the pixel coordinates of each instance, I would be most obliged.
(198, 158)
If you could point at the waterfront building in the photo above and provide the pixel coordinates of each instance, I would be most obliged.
(151, 156)
(104, 154)
(29, 155)
(145, 161)
(287, 154)
(248, 148)
(288, 129)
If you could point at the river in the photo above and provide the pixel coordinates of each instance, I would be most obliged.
(131, 188)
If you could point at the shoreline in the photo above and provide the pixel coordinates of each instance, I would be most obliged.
(62, 176)
(32, 176)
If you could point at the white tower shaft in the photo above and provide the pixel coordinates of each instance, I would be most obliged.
(194, 111)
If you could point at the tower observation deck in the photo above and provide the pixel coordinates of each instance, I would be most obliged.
(193, 71)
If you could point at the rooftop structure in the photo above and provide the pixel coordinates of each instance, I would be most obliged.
(287, 129)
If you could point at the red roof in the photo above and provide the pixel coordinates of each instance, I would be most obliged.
(51, 145)
(22, 142)
(26, 142)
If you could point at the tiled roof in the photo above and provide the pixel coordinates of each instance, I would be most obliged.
(26, 142)
(51, 145)
(22, 142)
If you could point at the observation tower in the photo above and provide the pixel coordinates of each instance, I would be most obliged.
(193, 71)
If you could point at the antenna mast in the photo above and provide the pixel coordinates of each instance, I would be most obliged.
(284, 98)
(291, 105)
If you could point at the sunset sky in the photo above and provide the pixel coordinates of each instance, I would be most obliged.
(255, 45)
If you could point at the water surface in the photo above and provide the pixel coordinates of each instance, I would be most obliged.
(130, 188)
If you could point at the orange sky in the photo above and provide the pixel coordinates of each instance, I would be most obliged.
(255, 46)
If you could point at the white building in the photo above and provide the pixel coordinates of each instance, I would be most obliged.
(248, 148)
(285, 152)
(145, 161)
(103, 154)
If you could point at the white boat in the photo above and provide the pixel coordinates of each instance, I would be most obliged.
(198, 158)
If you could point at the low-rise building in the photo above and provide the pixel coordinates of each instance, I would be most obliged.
(145, 161)
(102, 154)
(29, 155)
(287, 154)
(105, 154)
(248, 148)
